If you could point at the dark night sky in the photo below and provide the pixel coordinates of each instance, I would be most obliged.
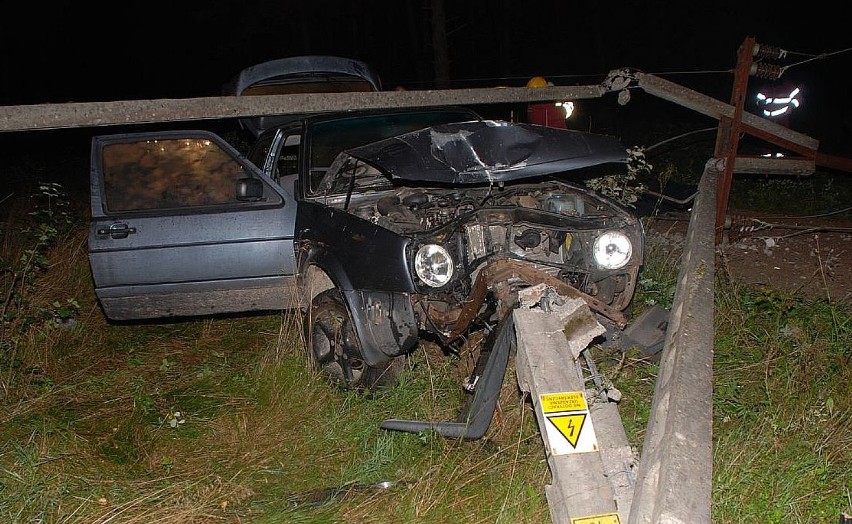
(75, 51)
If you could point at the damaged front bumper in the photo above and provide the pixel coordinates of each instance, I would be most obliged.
(487, 377)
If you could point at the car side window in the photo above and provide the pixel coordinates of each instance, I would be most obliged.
(169, 173)
(288, 164)
(288, 157)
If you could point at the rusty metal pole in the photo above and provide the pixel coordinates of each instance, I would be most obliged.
(728, 136)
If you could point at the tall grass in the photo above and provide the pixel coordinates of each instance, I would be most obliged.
(782, 409)
(223, 419)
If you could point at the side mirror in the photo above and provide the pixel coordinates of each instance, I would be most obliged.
(249, 189)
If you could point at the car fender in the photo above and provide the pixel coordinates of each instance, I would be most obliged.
(384, 321)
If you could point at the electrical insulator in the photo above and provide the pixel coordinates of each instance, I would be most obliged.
(741, 226)
(765, 70)
(767, 51)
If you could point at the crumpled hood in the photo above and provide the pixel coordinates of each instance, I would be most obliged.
(488, 151)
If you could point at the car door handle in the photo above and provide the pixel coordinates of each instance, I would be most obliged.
(117, 230)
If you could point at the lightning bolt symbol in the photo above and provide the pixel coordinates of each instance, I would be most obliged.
(571, 427)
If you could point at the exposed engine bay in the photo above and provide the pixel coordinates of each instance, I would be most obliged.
(552, 225)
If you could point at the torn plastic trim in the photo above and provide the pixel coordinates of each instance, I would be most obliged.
(646, 332)
(475, 417)
(384, 323)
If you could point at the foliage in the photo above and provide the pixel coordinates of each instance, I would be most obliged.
(624, 188)
(658, 279)
(823, 192)
(24, 259)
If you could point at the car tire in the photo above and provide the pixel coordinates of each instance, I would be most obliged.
(336, 350)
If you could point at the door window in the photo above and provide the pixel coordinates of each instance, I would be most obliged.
(169, 173)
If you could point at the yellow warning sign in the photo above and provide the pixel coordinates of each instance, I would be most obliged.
(570, 426)
(570, 429)
(558, 402)
(609, 518)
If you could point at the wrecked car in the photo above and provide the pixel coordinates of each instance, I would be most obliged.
(384, 227)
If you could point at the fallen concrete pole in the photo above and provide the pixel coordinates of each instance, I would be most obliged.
(590, 460)
(674, 478)
(97, 114)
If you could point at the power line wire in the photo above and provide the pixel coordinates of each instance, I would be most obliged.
(812, 58)
(696, 72)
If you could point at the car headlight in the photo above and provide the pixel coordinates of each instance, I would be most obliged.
(612, 250)
(434, 265)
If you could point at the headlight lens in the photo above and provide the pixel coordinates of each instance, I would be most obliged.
(612, 250)
(434, 265)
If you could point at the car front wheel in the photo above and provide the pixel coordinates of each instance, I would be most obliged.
(336, 350)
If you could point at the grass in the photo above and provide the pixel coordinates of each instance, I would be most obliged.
(782, 415)
(821, 193)
(254, 438)
(223, 420)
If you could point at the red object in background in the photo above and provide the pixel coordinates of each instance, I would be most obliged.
(546, 114)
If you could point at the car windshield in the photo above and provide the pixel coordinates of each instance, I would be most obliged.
(332, 137)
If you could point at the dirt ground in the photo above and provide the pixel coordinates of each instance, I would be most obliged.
(810, 257)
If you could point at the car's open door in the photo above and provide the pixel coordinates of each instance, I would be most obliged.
(183, 225)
